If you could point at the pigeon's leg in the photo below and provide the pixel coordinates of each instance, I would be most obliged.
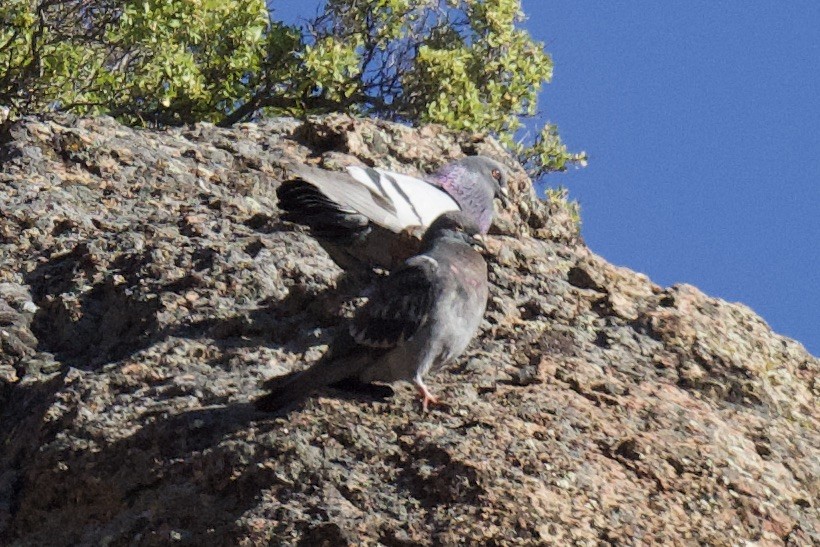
(427, 398)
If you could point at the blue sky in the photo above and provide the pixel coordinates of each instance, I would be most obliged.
(702, 124)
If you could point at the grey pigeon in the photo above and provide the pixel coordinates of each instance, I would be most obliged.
(418, 318)
(368, 218)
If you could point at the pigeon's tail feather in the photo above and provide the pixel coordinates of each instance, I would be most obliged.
(305, 204)
(297, 387)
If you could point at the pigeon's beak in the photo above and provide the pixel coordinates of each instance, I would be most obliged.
(504, 196)
(477, 241)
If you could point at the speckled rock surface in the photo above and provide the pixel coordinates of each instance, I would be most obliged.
(147, 289)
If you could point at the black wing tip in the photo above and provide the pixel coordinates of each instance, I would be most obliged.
(303, 203)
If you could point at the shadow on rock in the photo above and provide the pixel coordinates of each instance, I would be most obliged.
(186, 476)
(91, 314)
(86, 321)
(24, 429)
(277, 324)
(350, 388)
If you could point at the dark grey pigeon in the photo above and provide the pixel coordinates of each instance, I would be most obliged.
(371, 218)
(418, 318)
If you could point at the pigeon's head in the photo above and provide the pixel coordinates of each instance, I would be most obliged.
(454, 225)
(490, 170)
(474, 182)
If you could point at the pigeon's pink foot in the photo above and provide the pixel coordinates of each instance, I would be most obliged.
(427, 398)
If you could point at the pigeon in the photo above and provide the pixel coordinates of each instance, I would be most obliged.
(419, 317)
(371, 218)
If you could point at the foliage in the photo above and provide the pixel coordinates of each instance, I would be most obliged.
(463, 63)
(559, 198)
(144, 61)
(547, 153)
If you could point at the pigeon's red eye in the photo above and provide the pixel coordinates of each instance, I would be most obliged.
(496, 175)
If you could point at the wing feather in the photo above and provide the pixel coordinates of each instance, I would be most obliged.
(399, 306)
(349, 194)
(414, 201)
(391, 200)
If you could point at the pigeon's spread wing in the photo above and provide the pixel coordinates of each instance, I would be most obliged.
(312, 192)
(414, 202)
(390, 200)
(400, 304)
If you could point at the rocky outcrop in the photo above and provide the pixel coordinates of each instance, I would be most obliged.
(147, 289)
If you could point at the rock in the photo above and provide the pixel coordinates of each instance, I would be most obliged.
(147, 290)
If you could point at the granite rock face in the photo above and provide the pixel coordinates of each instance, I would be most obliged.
(147, 289)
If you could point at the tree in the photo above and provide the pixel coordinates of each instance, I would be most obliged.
(143, 61)
(466, 64)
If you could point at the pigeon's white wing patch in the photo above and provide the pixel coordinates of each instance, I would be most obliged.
(414, 202)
